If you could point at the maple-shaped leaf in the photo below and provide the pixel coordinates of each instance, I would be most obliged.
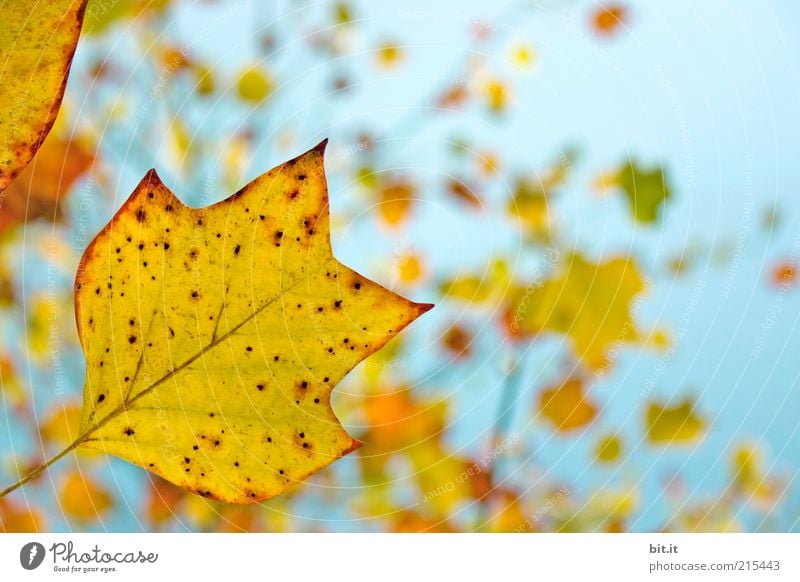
(213, 337)
(590, 303)
(37, 42)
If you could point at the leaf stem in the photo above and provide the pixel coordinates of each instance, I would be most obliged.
(40, 469)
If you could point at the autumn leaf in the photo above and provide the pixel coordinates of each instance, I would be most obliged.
(37, 41)
(480, 288)
(590, 303)
(82, 498)
(566, 406)
(609, 448)
(213, 337)
(40, 190)
(674, 424)
(396, 198)
(646, 190)
(254, 86)
(18, 518)
(607, 20)
(457, 340)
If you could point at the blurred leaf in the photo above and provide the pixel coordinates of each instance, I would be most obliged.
(460, 191)
(61, 423)
(609, 449)
(37, 42)
(292, 328)
(645, 189)
(566, 407)
(749, 476)
(41, 189)
(484, 288)
(590, 303)
(83, 499)
(163, 501)
(10, 385)
(254, 86)
(783, 274)
(676, 424)
(397, 196)
(609, 19)
(18, 519)
(523, 56)
(457, 340)
(408, 268)
(390, 55)
(497, 95)
(103, 14)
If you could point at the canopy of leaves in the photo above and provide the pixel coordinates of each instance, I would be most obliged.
(213, 337)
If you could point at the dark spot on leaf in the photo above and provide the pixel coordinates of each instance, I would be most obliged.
(316, 400)
(166, 246)
(129, 431)
(101, 397)
(195, 447)
(168, 208)
(141, 215)
(236, 249)
(132, 339)
(249, 348)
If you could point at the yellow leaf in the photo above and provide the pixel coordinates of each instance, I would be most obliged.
(11, 389)
(646, 190)
(18, 519)
(83, 499)
(213, 337)
(254, 86)
(389, 56)
(566, 406)
(673, 424)
(609, 449)
(497, 95)
(37, 42)
(396, 199)
(480, 288)
(103, 14)
(523, 56)
(749, 475)
(591, 303)
(61, 423)
(408, 268)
